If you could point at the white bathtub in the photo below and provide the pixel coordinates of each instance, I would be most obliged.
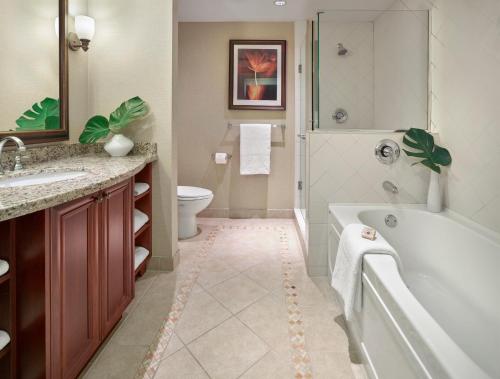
(441, 317)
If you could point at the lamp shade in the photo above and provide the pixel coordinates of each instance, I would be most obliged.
(85, 27)
(56, 26)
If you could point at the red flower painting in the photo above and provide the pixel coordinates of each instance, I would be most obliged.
(257, 75)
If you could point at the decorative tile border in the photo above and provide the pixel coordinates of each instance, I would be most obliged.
(300, 359)
(153, 358)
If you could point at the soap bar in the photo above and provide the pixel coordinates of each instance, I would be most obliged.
(369, 234)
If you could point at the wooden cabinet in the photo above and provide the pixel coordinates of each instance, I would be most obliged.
(74, 286)
(91, 275)
(116, 255)
(71, 277)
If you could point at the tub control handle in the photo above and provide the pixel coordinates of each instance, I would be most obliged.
(387, 151)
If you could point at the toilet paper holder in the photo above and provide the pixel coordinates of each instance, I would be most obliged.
(229, 156)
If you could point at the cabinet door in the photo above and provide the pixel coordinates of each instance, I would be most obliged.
(74, 284)
(116, 255)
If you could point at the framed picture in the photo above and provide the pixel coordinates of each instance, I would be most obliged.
(257, 75)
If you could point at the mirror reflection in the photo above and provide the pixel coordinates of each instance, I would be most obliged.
(372, 70)
(29, 74)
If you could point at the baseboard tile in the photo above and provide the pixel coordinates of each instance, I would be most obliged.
(247, 213)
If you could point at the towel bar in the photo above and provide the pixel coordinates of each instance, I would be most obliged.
(230, 126)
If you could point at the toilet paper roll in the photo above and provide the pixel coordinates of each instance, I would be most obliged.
(221, 158)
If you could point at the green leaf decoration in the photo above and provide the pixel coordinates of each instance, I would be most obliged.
(99, 127)
(42, 116)
(433, 156)
(95, 129)
(128, 112)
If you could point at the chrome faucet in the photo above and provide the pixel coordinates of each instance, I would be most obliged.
(20, 150)
(390, 187)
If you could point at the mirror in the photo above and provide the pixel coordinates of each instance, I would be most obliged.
(33, 96)
(371, 70)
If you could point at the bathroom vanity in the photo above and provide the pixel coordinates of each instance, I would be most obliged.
(70, 247)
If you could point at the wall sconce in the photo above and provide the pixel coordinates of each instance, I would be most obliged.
(85, 30)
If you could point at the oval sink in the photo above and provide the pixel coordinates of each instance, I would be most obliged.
(41, 178)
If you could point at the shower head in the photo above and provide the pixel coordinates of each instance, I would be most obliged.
(341, 49)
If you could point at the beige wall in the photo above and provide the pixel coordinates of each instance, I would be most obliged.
(132, 54)
(202, 115)
(342, 168)
(78, 72)
(465, 98)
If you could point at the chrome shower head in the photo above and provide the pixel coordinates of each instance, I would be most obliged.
(341, 49)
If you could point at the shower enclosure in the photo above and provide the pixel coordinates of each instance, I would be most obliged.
(371, 70)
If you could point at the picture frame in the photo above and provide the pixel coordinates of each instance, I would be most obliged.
(257, 75)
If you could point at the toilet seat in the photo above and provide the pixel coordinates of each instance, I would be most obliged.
(193, 193)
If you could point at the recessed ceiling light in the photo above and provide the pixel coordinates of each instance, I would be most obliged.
(280, 3)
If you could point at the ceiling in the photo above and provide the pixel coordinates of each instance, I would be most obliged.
(265, 10)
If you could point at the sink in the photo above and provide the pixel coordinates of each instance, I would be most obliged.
(40, 178)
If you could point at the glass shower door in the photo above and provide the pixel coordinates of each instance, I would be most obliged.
(303, 128)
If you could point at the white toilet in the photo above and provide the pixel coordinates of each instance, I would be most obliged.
(191, 201)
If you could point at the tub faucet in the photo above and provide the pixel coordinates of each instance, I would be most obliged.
(20, 150)
(390, 187)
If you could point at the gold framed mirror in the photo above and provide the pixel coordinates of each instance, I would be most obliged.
(34, 73)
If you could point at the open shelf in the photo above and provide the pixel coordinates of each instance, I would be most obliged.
(8, 298)
(142, 230)
(142, 195)
(142, 267)
(144, 203)
(5, 278)
(5, 351)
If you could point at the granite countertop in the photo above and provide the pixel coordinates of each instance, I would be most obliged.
(102, 171)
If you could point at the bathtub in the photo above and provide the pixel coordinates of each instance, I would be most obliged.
(439, 318)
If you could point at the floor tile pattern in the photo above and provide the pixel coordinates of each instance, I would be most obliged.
(239, 305)
(157, 349)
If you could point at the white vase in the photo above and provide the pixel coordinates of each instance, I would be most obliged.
(119, 145)
(435, 194)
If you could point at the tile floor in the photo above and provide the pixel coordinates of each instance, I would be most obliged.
(240, 305)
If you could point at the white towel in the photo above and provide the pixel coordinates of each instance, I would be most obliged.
(140, 256)
(255, 149)
(140, 188)
(4, 339)
(4, 267)
(140, 219)
(346, 278)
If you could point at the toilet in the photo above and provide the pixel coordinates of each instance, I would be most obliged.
(191, 201)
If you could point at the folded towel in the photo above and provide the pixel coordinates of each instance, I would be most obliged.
(255, 149)
(140, 188)
(4, 339)
(140, 256)
(4, 267)
(140, 219)
(346, 278)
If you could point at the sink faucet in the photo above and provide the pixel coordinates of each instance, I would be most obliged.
(20, 149)
(390, 187)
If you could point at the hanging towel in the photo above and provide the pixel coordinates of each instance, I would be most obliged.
(346, 278)
(4, 339)
(4, 267)
(255, 149)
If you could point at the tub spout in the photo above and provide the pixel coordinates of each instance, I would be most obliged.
(390, 187)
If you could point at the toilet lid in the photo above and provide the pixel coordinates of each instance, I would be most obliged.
(184, 192)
